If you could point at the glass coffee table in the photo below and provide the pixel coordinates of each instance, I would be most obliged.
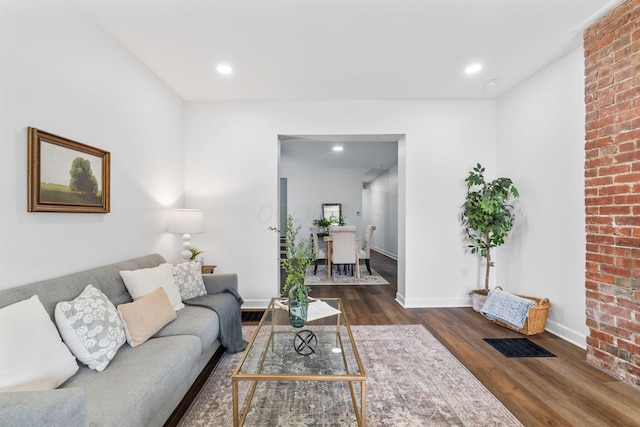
(315, 369)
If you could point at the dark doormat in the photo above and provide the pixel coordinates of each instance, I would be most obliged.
(252, 316)
(518, 347)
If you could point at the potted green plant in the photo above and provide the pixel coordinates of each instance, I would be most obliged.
(336, 220)
(487, 218)
(194, 252)
(322, 224)
(299, 254)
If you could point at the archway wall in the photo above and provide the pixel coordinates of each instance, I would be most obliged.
(232, 173)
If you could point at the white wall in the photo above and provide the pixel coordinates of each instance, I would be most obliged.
(381, 209)
(309, 188)
(541, 147)
(232, 157)
(62, 74)
(59, 72)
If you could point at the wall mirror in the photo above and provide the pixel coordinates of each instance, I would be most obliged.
(331, 209)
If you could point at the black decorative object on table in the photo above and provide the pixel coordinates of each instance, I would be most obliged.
(518, 347)
(305, 342)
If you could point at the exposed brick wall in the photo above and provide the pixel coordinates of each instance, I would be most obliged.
(612, 192)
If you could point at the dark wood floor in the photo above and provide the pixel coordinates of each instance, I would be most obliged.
(559, 391)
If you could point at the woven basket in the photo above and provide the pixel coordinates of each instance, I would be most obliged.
(536, 318)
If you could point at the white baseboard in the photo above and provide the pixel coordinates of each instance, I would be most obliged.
(256, 303)
(434, 302)
(385, 253)
(567, 334)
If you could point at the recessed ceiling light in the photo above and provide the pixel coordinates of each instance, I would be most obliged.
(338, 148)
(224, 69)
(473, 68)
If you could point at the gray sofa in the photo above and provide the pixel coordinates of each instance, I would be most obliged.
(149, 385)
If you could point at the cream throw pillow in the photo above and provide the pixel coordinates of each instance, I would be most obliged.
(91, 327)
(188, 277)
(32, 355)
(146, 316)
(145, 280)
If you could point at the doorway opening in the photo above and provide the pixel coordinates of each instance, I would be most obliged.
(366, 177)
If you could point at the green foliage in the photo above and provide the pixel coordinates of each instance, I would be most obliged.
(337, 220)
(82, 178)
(322, 222)
(194, 252)
(299, 256)
(487, 215)
(328, 222)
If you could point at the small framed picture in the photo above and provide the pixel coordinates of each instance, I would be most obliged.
(66, 176)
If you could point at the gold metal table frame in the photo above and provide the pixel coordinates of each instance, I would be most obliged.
(260, 360)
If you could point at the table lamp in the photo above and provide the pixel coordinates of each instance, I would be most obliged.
(186, 222)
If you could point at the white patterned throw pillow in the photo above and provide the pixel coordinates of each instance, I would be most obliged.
(188, 276)
(91, 327)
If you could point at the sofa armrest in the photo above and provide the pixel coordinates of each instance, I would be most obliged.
(52, 408)
(216, 283)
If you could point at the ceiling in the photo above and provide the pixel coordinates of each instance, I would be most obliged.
(373, 153)
(344, 49)
(316, 50)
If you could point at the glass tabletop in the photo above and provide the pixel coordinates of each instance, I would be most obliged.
(323, 349)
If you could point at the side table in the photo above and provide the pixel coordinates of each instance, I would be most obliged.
(208, 269)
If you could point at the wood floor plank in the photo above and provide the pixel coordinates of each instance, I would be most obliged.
(559, 391)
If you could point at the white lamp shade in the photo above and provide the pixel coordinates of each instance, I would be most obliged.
(186, 221)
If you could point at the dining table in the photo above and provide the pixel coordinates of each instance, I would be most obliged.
(329, 242)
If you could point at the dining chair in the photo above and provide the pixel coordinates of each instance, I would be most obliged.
(365, 252)
(319, 254)
(344, 249)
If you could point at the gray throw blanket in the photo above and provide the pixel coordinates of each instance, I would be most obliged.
(227, 305)
(507, 308)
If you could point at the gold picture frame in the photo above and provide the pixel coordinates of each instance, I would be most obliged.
(66, 176)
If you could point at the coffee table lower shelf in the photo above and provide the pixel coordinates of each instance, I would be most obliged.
(273, 360)
(240, 414)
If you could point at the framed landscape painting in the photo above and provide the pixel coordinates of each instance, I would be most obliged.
(66, 176)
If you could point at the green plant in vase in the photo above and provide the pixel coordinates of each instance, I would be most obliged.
(323, 224)
(194, 252)
(299, 254)
(336, 220)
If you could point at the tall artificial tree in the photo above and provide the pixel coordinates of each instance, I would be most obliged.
(487, 214)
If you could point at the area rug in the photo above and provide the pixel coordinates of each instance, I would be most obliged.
(320, 278)
(412, 380)
(518, 347)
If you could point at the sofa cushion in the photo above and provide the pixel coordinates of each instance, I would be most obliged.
(188, 277)
(62, 407)
(145, 280)
(146, 316)
(199, 321)
(32, 355)
(139, 382)
(91, 327)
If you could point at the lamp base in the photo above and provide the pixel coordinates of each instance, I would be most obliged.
(186, 245)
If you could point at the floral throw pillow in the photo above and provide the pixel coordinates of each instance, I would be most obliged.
(91, 327)
(188, 277)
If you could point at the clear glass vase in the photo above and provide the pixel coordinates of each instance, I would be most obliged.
(298, 305)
